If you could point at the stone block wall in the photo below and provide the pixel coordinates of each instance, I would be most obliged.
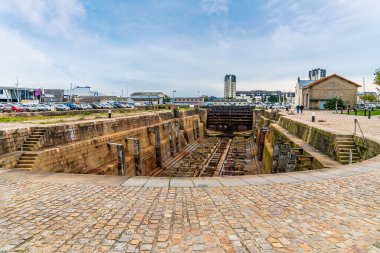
(367, 148)
(93, 155)
(9, 160)
(11, 140)
(63, 134)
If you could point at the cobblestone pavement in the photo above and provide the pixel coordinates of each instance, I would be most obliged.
(335, 215)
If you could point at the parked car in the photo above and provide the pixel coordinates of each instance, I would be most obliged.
(96, 106)
(61, 107)
(73, 106)
(6, 108)
(16, 108)
(29, 108)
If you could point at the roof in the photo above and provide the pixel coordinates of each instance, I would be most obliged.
(329, 77)
(147, 94)
(304, 83)
(14, 87)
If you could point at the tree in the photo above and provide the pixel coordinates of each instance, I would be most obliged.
(273, 99)
(330, 104)
(377, 78)
(368, 97)
(167, 98)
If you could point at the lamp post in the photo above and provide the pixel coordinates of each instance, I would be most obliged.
(174, 91)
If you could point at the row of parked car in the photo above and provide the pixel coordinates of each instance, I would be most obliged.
(19, 107)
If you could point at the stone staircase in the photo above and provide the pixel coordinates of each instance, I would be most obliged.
(32, 143)
(27, 161)
(343, 145)
(34, 140)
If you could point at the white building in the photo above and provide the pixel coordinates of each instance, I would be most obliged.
(230, 102)
(81, 91)
(13, 94)
(298, 94)
(230, 86)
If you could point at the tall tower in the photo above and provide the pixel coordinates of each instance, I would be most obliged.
(317, 74)
(230, 86)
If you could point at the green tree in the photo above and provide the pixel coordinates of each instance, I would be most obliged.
(273, 99)
(330, 104)
(377, 78)
(167, 98)
(368, 97)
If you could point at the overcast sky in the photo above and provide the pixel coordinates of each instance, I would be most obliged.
(185, 45)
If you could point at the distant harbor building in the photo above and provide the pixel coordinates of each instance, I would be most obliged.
(264, 95)
(148, 97)
(230, 86)
(81, 91)
(314, 75)
(189, 100)
(230, 102)
(317, 74)
(15, 94)
(316, 94)
(19, 94)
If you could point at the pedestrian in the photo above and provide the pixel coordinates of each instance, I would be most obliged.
(301, 108)
(298, 109)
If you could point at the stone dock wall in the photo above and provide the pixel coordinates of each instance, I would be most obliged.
(83, 147)
(309, 136)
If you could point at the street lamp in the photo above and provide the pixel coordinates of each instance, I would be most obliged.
(174, 91)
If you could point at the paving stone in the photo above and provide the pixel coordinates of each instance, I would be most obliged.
(280, 178)
(337, 214)
(181, 182)
(205, 182)
(256, 180)
(158, 182)
(232, 181)
(135, 182)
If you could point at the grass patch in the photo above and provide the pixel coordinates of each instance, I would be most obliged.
(375, 112)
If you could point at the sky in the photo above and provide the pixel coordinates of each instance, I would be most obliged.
(118, 46)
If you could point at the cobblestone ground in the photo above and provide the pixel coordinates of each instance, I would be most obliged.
(337, 215)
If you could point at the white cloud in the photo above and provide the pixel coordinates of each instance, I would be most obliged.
(50, 17)
(214, 6)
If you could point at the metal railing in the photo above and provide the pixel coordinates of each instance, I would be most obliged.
(356, 122)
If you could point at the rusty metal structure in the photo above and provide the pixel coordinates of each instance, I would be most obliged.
(229, 118)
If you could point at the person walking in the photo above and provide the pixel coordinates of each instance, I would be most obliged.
(298, 109)
(301, 108)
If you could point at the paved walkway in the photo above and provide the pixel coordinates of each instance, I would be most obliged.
(340, 123)
(319, 211)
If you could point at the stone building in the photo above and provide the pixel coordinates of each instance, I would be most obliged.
(316, 94)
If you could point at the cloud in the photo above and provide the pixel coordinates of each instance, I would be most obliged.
(50, 17)
(58, 43)
(214, 6)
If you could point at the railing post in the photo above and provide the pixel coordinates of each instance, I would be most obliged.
(121, 167)
(355, 120)
(350, 157)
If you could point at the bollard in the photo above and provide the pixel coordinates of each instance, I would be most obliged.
(356, 111)
(365, 112)
(369, 114)
(109, 113)
(313, 117)
(341, 111)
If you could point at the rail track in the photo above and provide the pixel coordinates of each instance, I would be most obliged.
(213, 156)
